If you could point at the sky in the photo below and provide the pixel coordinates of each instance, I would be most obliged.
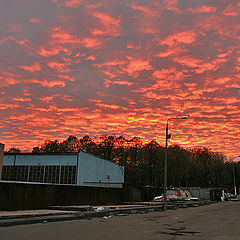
(96, 67)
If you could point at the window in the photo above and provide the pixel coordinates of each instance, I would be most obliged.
(44, 174)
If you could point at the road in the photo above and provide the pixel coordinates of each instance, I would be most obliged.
(220, 221)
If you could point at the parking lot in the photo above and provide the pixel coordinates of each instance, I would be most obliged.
(218, 221)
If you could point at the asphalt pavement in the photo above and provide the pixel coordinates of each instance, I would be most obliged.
(218, 221)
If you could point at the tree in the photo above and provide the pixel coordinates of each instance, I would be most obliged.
(71, 144)
(177, 166)
(144, 163)
(13, 150)
(49, 146)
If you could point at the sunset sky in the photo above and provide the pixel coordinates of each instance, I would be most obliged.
(77, 67)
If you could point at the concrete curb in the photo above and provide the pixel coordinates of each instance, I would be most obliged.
(88, 215)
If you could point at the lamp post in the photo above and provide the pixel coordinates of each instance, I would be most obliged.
(234, 178)
(165, 163)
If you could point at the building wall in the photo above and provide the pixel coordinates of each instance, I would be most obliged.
(16, 196)
(201, 193)
(92, 169)
(40, 159)
(50, 168)
(82, 169)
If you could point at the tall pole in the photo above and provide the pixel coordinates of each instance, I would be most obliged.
(165, 170)
(234, 177)
(234, 180)
(165, 164)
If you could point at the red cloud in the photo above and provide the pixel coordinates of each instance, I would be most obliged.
(68, 3)
(172, 5)
(133, 46)
(186, 37)
(61, 37)
(203, 9)
(7, 80)
(198, 65)
(49, 52)
(168, 74)
(145, 10)
(106, 19)
(49, 83)
(33, 68)
(144, 61)
(232, 10)
(34, 20)
(108, 24)
(60, 67)
(136, 65)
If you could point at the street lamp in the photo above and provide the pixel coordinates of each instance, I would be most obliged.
(234, 178)
(165, 165)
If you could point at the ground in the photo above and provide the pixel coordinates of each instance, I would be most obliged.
(219, 221)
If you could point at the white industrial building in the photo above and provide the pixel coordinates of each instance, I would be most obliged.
(80, 169)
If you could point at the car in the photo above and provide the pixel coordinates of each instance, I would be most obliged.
(169, 198)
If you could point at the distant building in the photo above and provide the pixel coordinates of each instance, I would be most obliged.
(80, 169)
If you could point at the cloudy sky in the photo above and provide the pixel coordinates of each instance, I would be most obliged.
(77, 67)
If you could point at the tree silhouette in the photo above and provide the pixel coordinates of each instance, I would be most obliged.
(144, 163)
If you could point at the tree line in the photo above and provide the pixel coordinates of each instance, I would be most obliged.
(144, 163)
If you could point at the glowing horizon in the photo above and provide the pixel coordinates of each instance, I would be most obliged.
(78, 67)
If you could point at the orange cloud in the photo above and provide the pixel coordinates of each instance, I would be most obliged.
(136, 65)
(49, 83)
(34, 20)
(203, 9)
(172, 5)
(145, 10)
(169, 52)
(106, 19)
(168, 74)
(61, 37)
(20, 41)
(186, 37)
(8, 80)
(232, 10)
(92, 58)
(48, 52)
(110, 106)
(33, 68)
(133, 46)
(108, 24)
(121, 67)
(22, 99)
(60, 67)
(107, 83)
(222, 80)
(68, 3)
(198, 65)
(115, 62)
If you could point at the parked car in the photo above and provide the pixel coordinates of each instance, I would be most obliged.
(177, 194)
(231, 197)
(169, 198)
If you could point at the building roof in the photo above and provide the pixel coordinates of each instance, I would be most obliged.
(6, 153)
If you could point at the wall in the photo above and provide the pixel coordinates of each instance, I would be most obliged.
(15, 196)
(93, 169)
(201, 193)
(44, 168)
(1, 157)
(143, 193)
(40, 159)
